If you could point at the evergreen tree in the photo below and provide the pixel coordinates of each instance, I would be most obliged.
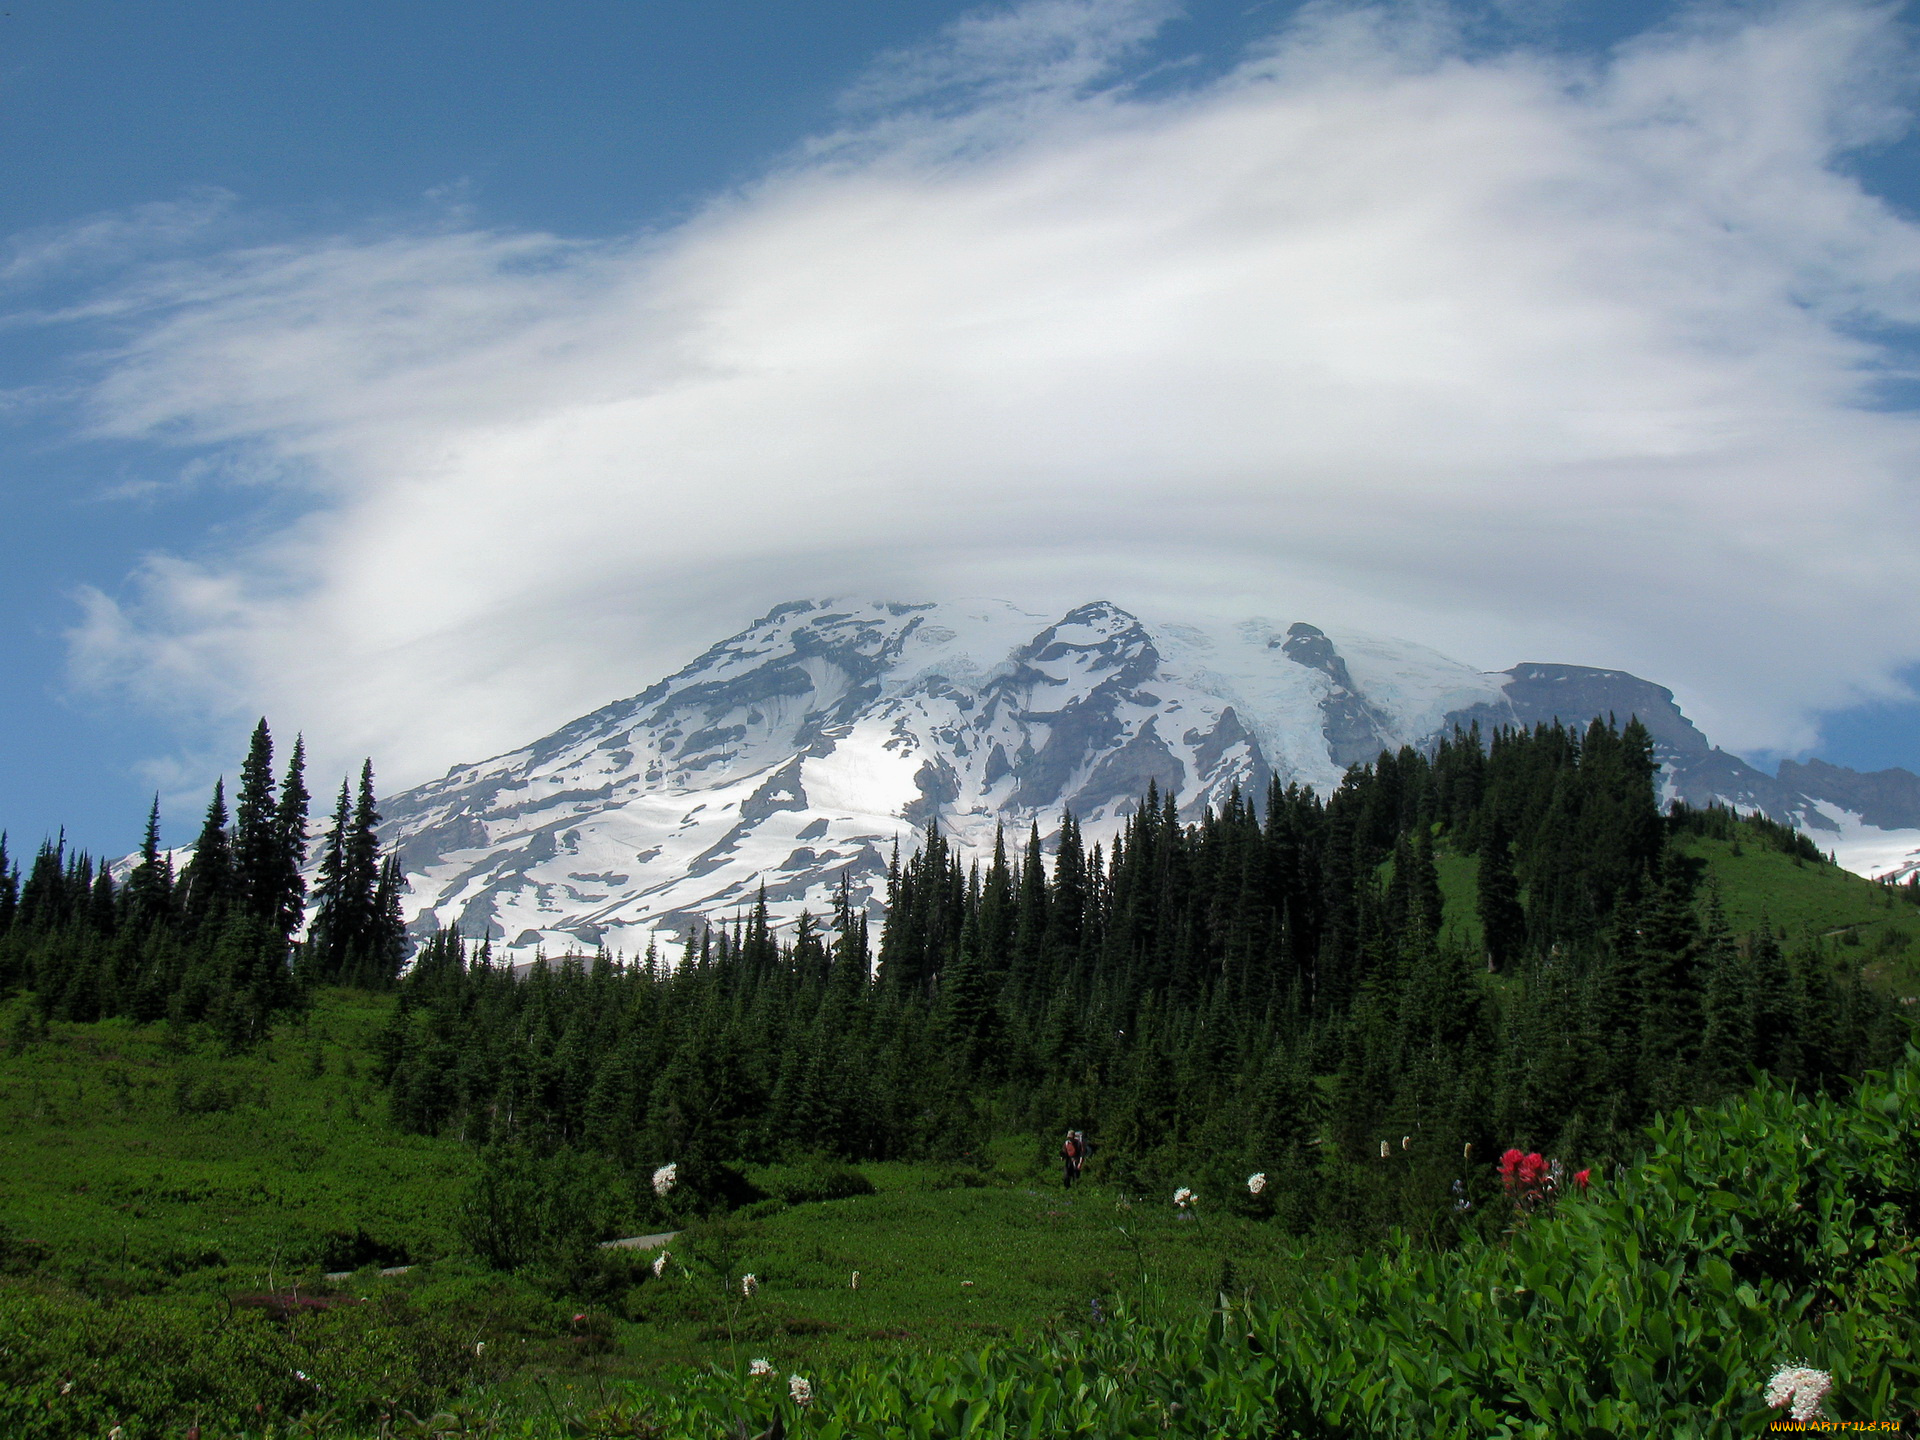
(336, 922)
(207, 883)
(149, 892)
(288, 885)
(1503, 923)
(257, 878)
(9, 886)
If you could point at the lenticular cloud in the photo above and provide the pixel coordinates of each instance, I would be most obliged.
(1514, 355)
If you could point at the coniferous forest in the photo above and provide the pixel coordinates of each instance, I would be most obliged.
(1275, 988)
(214, 943)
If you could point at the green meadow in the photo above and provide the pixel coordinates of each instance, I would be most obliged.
(159, 1197)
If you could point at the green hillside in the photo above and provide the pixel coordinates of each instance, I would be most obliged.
(147, 1166)
(1759, 884)
(1861, 923)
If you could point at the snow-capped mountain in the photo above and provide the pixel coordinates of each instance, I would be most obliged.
(797, 753)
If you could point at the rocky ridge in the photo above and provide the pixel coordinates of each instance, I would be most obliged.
(798, 753)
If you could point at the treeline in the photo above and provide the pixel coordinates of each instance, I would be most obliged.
(214, 942)
(1275, 989)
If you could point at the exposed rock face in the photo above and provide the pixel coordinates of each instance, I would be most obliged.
(797, 753)
(1888, 799)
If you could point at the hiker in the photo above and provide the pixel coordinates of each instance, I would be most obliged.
(1074, 1151)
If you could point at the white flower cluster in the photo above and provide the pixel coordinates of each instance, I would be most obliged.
(749, 1284)
(664, 1178)
(660, 1263)
(760, 1367)
(854, 1284)
(1801, 1387)
(1256, 1183)
(801, 1391)
(1184, 1199)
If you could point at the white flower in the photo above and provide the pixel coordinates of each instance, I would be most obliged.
(749, 1284)
(1256, 1183)
(1385, 1149)
(664, 1178)
(116, 1432)
(801, 1391)
(760, 1367)
(479, 1348)
(1801, 1386)
(660, 1263)
(854, 1284)
(67, 1389)
(1183, 1198)
(1406, 1142)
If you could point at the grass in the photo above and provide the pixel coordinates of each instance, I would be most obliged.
(145, 1183)
(1867, 923)
(144, 1167)
(941, 1269)
(1860, 922)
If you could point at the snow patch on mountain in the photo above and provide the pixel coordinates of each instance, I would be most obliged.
(797, 754)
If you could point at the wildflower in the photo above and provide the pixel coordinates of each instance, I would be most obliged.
(1509, 1163)
(1466, 1151)
(479, 1348)
(1802, 1387)
(664, 1178)
(67, 1389)
(759, 1367)
(1406, 1142)
(660, 1263)
(1256, 1183)
(578, 1318)
(115, 1433)
(302, 1376)
(1385, 1149)
(1582, 1178)
(1099, 1317)
(1183, 1198)
(801, 1391)
(854, 1283)
(749, 1284)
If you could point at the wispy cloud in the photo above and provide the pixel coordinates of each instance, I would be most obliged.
(1517, 355)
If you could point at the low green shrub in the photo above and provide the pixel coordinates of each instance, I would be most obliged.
(72, 1366)
(814, 1181)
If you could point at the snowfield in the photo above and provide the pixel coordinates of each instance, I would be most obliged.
(798, 754)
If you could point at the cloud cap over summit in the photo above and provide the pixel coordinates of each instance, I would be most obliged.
(1505, 351)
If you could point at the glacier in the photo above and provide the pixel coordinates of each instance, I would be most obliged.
(797, 755)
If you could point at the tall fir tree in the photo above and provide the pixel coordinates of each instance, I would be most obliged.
(207, 882)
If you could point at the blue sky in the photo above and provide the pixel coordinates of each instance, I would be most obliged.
(281, 276)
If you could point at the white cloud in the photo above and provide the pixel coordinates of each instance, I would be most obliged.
(1520, 357)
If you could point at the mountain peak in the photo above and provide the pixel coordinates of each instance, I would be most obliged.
(796, 753)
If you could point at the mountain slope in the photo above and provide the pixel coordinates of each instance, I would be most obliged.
(797, 754)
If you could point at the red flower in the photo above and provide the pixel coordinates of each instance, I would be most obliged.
(1582, 1177)
(1533, 1169)
(1509, 1162)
